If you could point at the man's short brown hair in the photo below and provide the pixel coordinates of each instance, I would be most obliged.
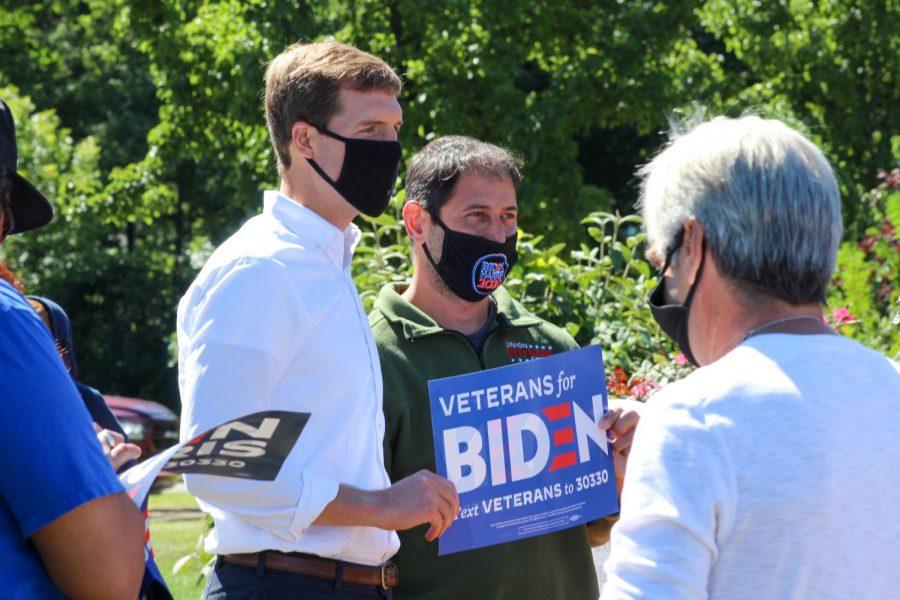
(303, 82)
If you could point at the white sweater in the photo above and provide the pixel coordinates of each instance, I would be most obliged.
(772, 473)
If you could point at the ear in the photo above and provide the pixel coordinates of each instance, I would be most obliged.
(301, 133)
(655, 257)
(692, 249)
(414, 220)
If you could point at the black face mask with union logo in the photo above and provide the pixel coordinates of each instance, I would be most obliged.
(472, 266)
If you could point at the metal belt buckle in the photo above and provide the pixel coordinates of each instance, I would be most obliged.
(384, 584)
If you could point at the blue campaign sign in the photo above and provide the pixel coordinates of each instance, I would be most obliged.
(522, 445)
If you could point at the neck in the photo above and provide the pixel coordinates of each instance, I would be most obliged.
(448, 310)
(301, 187)
(728, 324)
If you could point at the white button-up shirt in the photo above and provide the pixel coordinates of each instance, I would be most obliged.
(274, 322)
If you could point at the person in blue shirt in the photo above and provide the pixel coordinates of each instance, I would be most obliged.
(60, 327)
(67, 528)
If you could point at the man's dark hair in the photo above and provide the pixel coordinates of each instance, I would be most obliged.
(435, 169)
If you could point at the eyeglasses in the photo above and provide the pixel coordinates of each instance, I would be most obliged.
(671, 249)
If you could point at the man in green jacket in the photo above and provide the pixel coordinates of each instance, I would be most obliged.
(453, 318)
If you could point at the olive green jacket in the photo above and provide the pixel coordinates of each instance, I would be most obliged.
(414, 349)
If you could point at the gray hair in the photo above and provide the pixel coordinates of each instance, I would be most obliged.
(765, 195)
(434, 170)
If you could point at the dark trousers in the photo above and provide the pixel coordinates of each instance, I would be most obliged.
(237, 582)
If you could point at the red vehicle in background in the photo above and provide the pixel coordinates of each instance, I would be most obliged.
(148, 424)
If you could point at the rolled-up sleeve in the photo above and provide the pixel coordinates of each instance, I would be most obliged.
(236, 336)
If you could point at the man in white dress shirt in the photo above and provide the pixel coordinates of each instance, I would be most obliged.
(274, 322)
(753, 477)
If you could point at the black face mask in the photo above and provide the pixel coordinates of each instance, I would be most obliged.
(673, 318)
(472, 266)
(368, 174)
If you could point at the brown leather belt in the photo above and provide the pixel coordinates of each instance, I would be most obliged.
(385, 575)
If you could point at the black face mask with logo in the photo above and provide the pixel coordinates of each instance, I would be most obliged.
(472, 266)
(368, 174)
(673, 318)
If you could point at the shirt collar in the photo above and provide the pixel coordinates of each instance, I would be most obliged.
(417, 324)
(312, 229)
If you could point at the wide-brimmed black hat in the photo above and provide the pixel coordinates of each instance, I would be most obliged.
(30, 209)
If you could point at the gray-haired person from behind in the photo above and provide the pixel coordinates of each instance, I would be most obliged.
(772, 470)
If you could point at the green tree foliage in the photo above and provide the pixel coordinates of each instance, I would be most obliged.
(81, 59)
(170, 90)
(120, 300)
(833, 65)
(866, 290)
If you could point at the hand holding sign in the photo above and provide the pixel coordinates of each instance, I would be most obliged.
(114, 447)
(420, 498)
(620, 422)
(423, 497)
(526, 447)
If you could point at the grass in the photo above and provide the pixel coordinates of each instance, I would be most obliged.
(172, 498)
(175, 538)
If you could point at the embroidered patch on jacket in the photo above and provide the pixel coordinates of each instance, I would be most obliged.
(521, 352)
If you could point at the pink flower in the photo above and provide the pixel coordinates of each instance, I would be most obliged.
(842, 316)
(867, 244)
(891, 180)
(681, 359)
(642, 388)
(639, 390)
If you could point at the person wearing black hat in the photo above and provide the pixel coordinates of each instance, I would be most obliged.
(26, 207)
(67, 528)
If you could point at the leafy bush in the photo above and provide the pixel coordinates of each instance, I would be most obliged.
(599, 291)
(866, 289)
